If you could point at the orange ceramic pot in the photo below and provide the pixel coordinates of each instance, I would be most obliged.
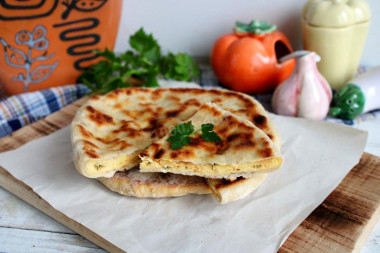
(46, 43)
(248, 60)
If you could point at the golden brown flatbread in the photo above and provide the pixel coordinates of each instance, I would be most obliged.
(108, 132)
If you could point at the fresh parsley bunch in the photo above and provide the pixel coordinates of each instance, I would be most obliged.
(138, 67)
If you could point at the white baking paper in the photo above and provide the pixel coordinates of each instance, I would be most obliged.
(317, 156)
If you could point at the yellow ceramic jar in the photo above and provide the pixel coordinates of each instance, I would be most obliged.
(336, 30)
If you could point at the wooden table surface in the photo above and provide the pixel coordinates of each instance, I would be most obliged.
(25, 229)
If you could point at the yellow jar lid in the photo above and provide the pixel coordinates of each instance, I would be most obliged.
(336, 13)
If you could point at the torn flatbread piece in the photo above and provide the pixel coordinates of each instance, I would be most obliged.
(244, 149)
(226, 191)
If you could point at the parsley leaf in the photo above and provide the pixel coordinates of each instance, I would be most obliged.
(208, 134)
(183, 129)
(207, 127)
(141, 66)
(180, 135)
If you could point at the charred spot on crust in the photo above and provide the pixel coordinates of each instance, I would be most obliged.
(113, 143)
(128, 114)
(230, 121)
(173, 113)
(174, 98)
(193, 102)
(221, 147)
(84, 132)
(265, 149)
(92, 154)
(159, 154)
(105, 141)
(132, 133)
(265, 143)
(196, 141)
(216, 112)
(160, 131)
(259, 120)
(153, 121)
(99, 117)
(88, 145)
(246, 144)
(242, 110)
(95, 97)
(154, 147)
(112, 95)
(211, 147)
(199, 142)
(187, 152)
(240, 137)
(266, 152)
(107, 118)
(157, 94)
(217, 100)
(233, 137)
(247, 102)
(181, 154)
(90, 109)
(174, 155)
(120, 144)
(117, 91)
(143, 154)
(222, 131)
(125, 128)
(225, 182)
(152, 124)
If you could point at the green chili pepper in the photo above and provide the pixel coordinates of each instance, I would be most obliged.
(348, 102)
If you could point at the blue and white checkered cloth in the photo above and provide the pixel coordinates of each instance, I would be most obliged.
(20, 110)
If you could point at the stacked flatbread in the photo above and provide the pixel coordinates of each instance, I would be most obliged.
(121, 139)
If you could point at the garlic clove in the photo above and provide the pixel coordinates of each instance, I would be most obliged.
(284, 100)
(305, 93)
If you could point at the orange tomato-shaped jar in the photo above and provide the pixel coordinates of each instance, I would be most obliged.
(47, 43)
(248, 60)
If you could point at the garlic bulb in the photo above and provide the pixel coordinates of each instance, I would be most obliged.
(306, 92)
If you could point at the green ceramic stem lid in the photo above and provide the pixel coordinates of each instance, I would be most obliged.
(255, 27)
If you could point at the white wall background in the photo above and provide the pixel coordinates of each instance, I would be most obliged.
(192, 26)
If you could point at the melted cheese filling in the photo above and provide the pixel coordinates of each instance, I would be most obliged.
(210, 170)
(108, 167)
